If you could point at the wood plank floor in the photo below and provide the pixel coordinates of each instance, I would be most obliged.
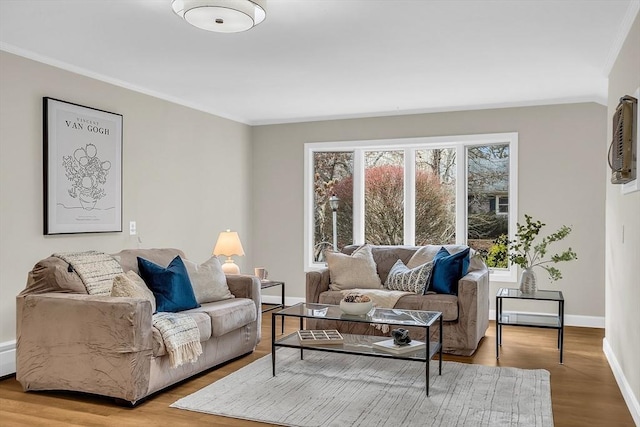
(583, 390)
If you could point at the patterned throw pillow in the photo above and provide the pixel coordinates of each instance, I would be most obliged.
(403, 278)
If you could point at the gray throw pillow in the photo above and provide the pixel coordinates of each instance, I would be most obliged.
(403, 278)
(357, 270)
(208, 280)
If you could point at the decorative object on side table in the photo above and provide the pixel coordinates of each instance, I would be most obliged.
(229, 244)
(356, 304)
(524, 253)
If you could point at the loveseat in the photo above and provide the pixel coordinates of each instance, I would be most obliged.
(106, 345)
(465, 311)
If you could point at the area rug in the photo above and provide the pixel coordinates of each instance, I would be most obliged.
(330, 389)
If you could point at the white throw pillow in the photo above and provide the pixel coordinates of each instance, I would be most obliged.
(208, 280)
(402, 278)
(357, 270)
(131, 285)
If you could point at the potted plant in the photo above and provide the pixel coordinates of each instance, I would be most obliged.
(527, 254)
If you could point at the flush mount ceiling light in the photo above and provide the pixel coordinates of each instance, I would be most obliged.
(222, 16)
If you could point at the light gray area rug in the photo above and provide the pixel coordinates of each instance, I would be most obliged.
(329, 389)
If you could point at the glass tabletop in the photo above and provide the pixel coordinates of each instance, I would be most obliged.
(386, 316)
(538, 295)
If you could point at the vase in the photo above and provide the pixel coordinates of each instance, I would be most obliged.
(528, 283)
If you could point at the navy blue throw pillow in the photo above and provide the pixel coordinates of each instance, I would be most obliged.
(447, 270)
(171, 285)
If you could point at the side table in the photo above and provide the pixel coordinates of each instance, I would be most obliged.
(265, 284)
(527, 319)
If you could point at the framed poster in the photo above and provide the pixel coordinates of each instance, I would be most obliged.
(82, 169)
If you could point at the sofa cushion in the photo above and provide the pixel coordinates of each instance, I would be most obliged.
(447, 304)
(402, 278)
(447, 270)
(131, 285)
(128, 258)
(204, 328)
(171, 285)
(208, 280)
(228, 315)
(357, 270)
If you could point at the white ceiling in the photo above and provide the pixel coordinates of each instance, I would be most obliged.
(318, 59)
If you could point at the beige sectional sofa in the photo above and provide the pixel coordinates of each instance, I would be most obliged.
(465, 315)
(69, 340)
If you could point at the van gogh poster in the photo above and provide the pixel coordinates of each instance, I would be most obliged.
(83, 169)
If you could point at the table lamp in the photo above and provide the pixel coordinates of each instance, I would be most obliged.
(228, 244)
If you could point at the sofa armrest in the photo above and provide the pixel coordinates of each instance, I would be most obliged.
(246, 286)
(317, 281)
(473, 304)
(86, 343)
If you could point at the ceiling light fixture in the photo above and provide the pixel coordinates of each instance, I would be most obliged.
(222, 16)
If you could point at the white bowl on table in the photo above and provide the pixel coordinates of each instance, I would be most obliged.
(356, 308)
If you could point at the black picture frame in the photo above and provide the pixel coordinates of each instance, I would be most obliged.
(82, 169)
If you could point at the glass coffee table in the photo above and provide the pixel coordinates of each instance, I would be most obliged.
(361, 344)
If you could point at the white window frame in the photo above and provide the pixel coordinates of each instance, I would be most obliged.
(498, 204)
(410, 145)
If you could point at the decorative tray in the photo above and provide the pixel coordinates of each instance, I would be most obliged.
(310, 337)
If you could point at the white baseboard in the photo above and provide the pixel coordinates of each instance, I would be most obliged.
(569, 319)
(632, 401)
(7, 358)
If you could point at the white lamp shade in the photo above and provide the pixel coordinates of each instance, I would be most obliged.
(228, 244)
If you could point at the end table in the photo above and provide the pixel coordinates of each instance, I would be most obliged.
(265, 284)
(527, 319)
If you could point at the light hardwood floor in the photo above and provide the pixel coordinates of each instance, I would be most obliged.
(583, 390)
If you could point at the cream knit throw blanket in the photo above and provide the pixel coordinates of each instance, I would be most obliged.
(381, 298)
(180, 335)
(96, 269)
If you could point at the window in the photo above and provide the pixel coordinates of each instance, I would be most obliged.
(384, 197)
(416, 191)
(503, 205)
(333, 174)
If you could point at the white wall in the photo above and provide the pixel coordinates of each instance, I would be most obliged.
(186, 174)
(622, 329)
(561, 164)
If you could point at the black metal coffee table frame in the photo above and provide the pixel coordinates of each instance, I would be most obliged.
(361, 344)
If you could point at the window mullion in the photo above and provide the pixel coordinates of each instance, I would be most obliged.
(358, 196)
(461, 194)
(410, 196)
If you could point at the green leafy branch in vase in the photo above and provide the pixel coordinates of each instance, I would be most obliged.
(526, 254)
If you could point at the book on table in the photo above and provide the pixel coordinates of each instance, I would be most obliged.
(391, 347)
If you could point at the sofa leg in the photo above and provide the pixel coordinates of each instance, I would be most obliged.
(126, 403)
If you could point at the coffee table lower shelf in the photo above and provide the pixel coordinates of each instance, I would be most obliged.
(361, 345)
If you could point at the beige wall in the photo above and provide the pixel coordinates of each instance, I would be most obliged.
(561, 164)
(186, 174)
(622, 329)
